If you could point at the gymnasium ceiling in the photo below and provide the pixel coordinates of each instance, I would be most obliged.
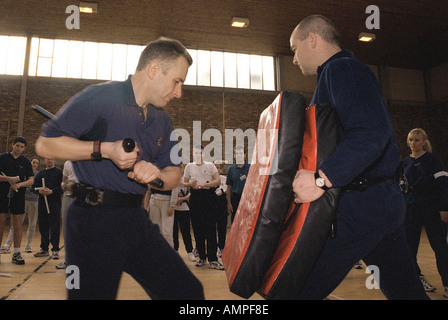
(413, 33)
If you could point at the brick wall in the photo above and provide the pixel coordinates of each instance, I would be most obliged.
(215, 108)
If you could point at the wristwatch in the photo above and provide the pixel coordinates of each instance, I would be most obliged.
(96, 154)
(320, 182)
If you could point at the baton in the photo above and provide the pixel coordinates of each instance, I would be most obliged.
(45, 197)
(42, 111)
(128, 146)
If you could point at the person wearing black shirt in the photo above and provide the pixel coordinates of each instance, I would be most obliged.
(16, 173)
(427, 203)
(371, 208)
(48, 184)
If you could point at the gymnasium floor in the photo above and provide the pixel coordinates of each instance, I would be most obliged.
(38, 279)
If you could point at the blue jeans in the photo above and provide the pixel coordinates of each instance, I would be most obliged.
(105, 242)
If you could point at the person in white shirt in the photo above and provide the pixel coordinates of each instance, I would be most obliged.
(202, 178)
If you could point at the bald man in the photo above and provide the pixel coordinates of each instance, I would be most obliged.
(371, 208)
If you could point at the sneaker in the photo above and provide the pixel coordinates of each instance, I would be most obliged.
(219, 254)
(55, 255)
(358, 265)
(61, 265)
(5, 249)
(195, 252)
(446, 292)
(200, 263)
(216, 265)
(41, 253)
(428, 287)
(17, 258)
(191, 256)
(28, 249)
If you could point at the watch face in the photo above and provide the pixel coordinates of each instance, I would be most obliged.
(320, 182)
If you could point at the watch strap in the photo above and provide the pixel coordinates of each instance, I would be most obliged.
(96, 154)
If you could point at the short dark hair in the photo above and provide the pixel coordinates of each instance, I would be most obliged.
(163, 49)
(320, 25)
(20, 139)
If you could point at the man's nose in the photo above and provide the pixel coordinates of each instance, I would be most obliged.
(177, 91)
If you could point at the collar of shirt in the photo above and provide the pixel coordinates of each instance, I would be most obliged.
(129, 99)
(340, 54)
(245, 165)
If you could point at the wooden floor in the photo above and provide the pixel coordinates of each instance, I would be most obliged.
(38, 279)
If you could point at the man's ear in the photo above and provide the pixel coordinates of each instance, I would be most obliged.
(152, 69)
(312, 39)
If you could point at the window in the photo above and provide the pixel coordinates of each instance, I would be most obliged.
(12, 55)
(231, 70)
(115, 61)
(82, 59)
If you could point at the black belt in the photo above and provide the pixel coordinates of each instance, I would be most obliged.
(166, 193)
(89, 196)
(361, 184)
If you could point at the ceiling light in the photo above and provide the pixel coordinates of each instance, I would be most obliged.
(366, 37)
(88, 7)
(239, 22)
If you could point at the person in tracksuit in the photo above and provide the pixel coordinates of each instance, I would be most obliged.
(369, 219)
(427, 203)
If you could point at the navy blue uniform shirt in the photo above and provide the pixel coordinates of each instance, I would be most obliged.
(108, 112)
(428, 181)
(236, 177)
(367, 147)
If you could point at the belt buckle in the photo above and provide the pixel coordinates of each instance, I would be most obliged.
(94, 196)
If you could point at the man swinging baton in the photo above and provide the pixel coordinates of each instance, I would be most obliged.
(105, 238)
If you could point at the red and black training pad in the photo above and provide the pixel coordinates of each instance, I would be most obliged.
(307, 230)
(267, 194)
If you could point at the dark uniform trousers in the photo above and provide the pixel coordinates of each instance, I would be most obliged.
(104, 242)
(369, 227)
(203, 219)
(425, 215)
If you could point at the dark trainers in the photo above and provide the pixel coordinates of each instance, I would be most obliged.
(17, 258)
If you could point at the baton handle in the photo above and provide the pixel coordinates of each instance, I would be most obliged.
(128, 146)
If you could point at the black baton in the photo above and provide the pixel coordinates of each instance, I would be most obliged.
(128, 146)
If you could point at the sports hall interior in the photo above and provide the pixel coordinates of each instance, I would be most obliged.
(409, 56)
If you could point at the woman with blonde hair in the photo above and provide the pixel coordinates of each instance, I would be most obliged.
(427, 203)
